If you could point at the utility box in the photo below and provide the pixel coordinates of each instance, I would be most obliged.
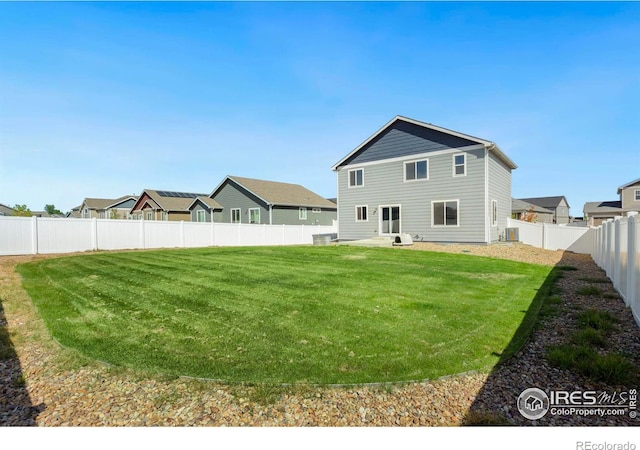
(403, 239)
(511, 235)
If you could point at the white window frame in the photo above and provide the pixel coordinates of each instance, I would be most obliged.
(494, 213)
(254, 209)
(356, 178)
(302, 213)
(316, 210)
(380, 215)
(636, 195)
(201, 214)
(366, 210)
(457, 225)
(415, 170)
(85, 213)
(164, 216)
(150, 215)
(454, 165)
(239, 215)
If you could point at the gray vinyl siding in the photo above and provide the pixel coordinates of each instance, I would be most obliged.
(384, 185)
(403, 139)
(198, 206)
(283, 215)
(500, 190)
(231, 196)
(562, 213)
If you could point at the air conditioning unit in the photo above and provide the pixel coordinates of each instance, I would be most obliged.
(511, 235)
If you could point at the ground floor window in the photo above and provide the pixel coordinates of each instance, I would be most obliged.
(149, 216)
(361, 213)
(302, 214)
(254, 215)
(200, 216)
(494, 213)
(235, 215)
(445, 213)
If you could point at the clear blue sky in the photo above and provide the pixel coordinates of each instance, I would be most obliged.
(106, 99)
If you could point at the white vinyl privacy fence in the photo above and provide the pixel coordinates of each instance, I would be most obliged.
(33, 235)
(554, 237)
(617, 251)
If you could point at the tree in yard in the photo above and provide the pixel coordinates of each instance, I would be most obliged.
(529, 216)
(51, 210)
(22, 210)
(113, 214)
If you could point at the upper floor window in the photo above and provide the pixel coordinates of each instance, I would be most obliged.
(637, 195)
(459, 165)
(416, 170)
(356, 177)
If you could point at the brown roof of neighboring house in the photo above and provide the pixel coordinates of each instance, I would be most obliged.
(169, 200)
(211, 203)
(521, 205)
(614, 206)
(278, 193)
(103, 203)
(546, 202)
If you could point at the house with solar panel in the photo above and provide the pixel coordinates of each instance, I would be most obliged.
(248, 200)
(170, 205)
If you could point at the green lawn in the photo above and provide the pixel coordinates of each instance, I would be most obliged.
(286, 314)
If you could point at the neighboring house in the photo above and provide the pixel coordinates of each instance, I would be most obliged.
(164, 205)
(6, 210)
(435, 184)
(105, 208)
(557, 204)
(247, 200)
(205, 209)
(74, 213)
(520, 208)
(597, 212)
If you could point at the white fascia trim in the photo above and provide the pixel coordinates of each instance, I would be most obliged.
(487, 230)
(414, 157)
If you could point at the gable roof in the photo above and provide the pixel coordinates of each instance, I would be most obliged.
(628, 184)
(122, 199)
(521, 205)
(547, 202)
(211, 203)
(103, 203)
(603, 207)
(278, 193)
(167, 200)
(491, 146)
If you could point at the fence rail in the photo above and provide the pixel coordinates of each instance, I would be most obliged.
(33, 235)
(617, 252)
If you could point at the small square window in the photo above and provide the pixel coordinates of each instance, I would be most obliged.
(356, 177)
(459, 165)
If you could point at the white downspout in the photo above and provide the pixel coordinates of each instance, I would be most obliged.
(487, 230)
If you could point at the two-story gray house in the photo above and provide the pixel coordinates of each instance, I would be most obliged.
(248, 200)
(558, 205)
(435, 184)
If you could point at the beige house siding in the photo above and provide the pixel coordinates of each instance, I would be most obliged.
(627, 196)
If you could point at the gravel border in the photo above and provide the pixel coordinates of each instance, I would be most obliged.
(42, 384)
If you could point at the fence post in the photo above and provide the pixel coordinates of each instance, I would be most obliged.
(94, 234)
(34, 235)
(632, 225)
(616, 252)
(142, 245)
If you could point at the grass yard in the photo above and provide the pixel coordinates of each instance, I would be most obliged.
(288, 314)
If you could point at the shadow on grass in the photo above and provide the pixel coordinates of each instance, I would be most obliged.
(16, 408)
(499, 394)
